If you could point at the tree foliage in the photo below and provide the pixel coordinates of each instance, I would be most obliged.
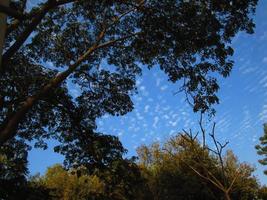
(120, 182)
(262, 147)
(166, 171)
(99, 46)
(70, 185)
(13, 169)
(262, 193)
(179, 170)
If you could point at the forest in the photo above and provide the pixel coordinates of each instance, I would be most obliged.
(66, 64)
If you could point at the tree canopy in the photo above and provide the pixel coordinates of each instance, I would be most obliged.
(162, 172)
(100, 46)
(180, 169)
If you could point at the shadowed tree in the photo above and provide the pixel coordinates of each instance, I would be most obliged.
(262, 193)
(182, 168)
(13, 169)
(99, 46)
(232, 178)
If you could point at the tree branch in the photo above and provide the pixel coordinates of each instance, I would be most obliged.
(108, 43)
(8, 130)
(219, 186)
(30, 28)
(9, 127)
(202, 130)
(232, 183)
(12, 13)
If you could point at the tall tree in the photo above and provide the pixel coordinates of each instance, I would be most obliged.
(262, 147)
(99, 46)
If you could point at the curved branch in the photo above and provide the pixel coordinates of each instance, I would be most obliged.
(9, 127)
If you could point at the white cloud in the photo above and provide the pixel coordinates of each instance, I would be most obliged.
(155, 122)
(158, 81)
(164, 87)
(146, 108)
(263, 113)
(143, 139)
(166, 117)
(173, 123)
(142, 88)
(264, 36)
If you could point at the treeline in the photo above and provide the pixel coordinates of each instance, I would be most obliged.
(181, 168)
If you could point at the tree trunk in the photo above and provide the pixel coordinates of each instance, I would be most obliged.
(3, 27)
(227, 196)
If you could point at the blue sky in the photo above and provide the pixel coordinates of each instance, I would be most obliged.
(159, 113)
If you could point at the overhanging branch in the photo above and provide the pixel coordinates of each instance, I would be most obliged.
(37, 18)
(8, 130)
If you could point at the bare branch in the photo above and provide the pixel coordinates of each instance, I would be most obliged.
(202, 130)
(232, 183)
(214, 182)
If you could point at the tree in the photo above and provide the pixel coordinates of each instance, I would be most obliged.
(262, 193)
(13, 169)
(246, 185)
(168, 178)
(262, 147)
(94, 151)
(182, 168)
(70, 185)
(98, 45)
(229, 172)
(120, 182)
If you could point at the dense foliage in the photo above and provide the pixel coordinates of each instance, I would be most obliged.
(121, 181)
(181, 170)
(99, 48)
(162, 172)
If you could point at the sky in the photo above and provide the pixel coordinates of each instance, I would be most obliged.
(159, 113)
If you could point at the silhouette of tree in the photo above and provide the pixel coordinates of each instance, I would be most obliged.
(99, 46)
(13, 169)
